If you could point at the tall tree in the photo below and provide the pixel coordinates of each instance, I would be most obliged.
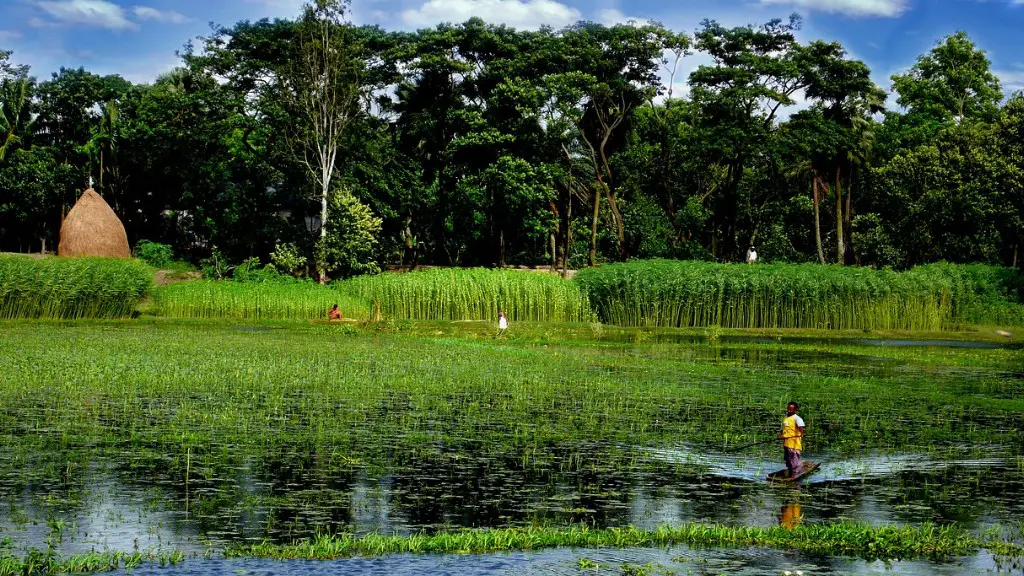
(952, 82)
(322, 87)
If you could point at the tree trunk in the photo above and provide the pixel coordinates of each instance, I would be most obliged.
(840, 245)
(501, 248)
(1014, 265)
(567, 235)
(619, 227)
(593, 228)
(817, 220)
(322, 272)
(847, 218)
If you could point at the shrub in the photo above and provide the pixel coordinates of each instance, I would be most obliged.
(155, 254)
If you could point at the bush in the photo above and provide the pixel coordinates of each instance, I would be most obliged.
(155, 254)
(71, 287)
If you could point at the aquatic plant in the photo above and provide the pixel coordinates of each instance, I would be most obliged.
(473, 294)
(71, 287)
(697, 294)
(253, 301)
(841, 539)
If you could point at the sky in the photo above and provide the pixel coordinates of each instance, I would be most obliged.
(138, 39)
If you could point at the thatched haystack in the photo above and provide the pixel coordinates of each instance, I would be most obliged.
(92, 229)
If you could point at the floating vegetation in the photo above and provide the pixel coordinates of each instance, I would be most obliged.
(473, 294)
(71, 287)
(839, 539)
(253, 301)
(37, 561)
(687, 294)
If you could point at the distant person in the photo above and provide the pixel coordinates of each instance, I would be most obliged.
(334, 314)
(502, 323)
(751, 255)
(792, 438)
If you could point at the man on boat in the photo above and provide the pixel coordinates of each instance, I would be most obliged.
(792, 438)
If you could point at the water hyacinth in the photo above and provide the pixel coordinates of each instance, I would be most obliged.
(71, 287)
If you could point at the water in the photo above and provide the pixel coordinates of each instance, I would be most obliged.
(567, 561)
(132, 495)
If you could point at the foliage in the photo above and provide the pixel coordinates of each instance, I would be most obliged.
(155, 254)
(348, 247)
(287, 258)
(71, 288)
(473, 294)
(836, 538)
(497, 146)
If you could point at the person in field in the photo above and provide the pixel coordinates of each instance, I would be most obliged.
(502, 323)
(751, 256)
(792, 438)
(334, 313)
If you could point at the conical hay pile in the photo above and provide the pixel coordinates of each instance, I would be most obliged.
(92, 229)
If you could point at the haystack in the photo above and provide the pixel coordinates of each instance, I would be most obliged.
(92, 229)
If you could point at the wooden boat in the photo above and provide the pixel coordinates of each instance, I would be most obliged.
(807, 469)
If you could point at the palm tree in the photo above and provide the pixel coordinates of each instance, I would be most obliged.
(15, 114)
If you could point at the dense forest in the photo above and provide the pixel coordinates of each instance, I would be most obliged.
(478, 144)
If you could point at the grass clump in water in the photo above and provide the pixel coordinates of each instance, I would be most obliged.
(473, 294)
(846, 539)
(66, 288)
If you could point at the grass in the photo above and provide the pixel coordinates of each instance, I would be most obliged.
(47, 562)
(838, 539)
(71, 287)
(472, 294)
(253, 301)
(690, 294)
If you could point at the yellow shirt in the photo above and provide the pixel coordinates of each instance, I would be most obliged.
(790, 434)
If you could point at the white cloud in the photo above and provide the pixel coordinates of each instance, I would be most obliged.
(148, 13)
(886, 8)
(6, 35)
(1012, 80)
(97, 13)
(526, 14)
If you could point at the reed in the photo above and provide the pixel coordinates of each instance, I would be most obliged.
(253, 301)
(71, 287)
(698, 294)
(473, 294)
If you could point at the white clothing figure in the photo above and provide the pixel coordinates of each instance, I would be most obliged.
(751, 255)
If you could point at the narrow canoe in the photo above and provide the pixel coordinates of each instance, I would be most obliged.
(807, 469)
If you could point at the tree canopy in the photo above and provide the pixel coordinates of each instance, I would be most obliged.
(479, 144)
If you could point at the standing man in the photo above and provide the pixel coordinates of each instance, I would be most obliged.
(792, 438)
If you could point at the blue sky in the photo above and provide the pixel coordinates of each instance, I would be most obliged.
(138, 38)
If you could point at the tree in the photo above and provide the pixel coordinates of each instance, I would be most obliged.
(349, 248)
(16, 121)
(953, 82)
(756, 72)
(322, 88)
